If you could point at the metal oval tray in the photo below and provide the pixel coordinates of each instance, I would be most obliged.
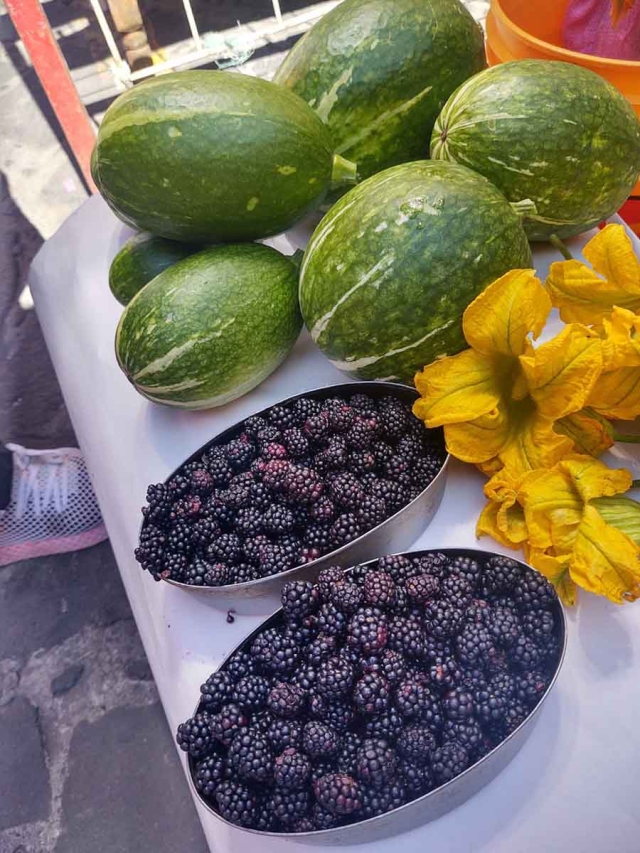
(441, 800)
(396, 533)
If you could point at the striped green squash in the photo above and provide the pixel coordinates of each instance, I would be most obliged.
(140, 260)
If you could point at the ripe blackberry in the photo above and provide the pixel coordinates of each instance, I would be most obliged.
(250, 757)
(316, 428)
(331, 620)
(332, 404)
(443, 618)
(225, 548)
(335, 713)
(361, 462)
(500, 575)
(397, 468)
(416, 743)
(227, 722)
(179, 484)
(248, 521)
(304, 407)
(282, 417)
(457, 590)
(412, 698)
(458, 704)
(371, 694)
(407, 636)
(391, 664)
(445, 674)
(410, 447)
(505, 626)
(284, 733)
(323, 510)
(379, 589)
(422, 588)
(538, 625)
(332, 458)
(327, 578)
(209, 773)
(382, 452)
(253, 425)
(367, 630)
(375, 802)
(240, 454)
(376, 763)
(260, 721)
(480, 611)
(371, 512)
(195, 573)
(321, 648)
(194, 735)
(274, 473)
(341, 418)
(386, 726)
(400, 568)
(524, 654)
(302, 485)
(203, 532)
(236, 803)
(319, 740)
(236, 496)
(243, 573)
(278, 520)
(178, 539)
(533, 592)
(299, 599)
(269, 434)
(216, 690)
(346, 596)
(364, 404)
(345, 491)
(465, 732)
(275, 559)
(201, 482)
(352, 656)
(239, 665)
(286, 700)
(490, 704)
(263, 817)
(335, 678)
(338, 793)
(360, 434)
(467, 568)
(320, 768)
(218, 467)
(433, 563)
(424, 469)
(394, 494)
(449, 761)
(475, 645)
(277, 652)
(515, 714)
(292, 770)
(437, 650)
(159, 502)
(416, 777)
(289, 806)
(350, 744)
(251, 692)
(393, 420)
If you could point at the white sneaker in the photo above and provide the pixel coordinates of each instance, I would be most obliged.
(52, 509)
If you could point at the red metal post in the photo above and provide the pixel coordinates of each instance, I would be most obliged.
(34, 30)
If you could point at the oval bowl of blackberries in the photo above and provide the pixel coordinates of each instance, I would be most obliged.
(378, 698)
(333, 476)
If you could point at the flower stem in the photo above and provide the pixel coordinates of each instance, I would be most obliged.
(626, 439)
(560, 246)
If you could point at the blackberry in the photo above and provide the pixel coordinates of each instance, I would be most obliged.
(358, 574)
(422, 588)
(350, 744)
(237, 496)
(386, 726)
(382, 452)
(391, 664)
(335, 678)
(437, 650)
(319, 740)
(316, 428)
(269, 434)
(243, 573)
(361, 462)
(505, 626)
(316, 543)
(465, 732)
(445, 674)
(449, 761)
(281, 417)
(209, 773)
(367, 630)
(274, 473)
(216, 690)
(292, 770)
(345, 491)
(178, 539)
(179, 485)
(410, 447)
(400, 568)
(227, 722)
(240, 454)
(274, 450)
(416, 777)
(500, 575)
(549, 648)
(394, 494)
(371, 511)
(332, 458)
(286, 700)
(360, 434)
(226, 548)
(302, 485)
(194, 736)
(424, 469)
(260, 497)
(524, 653)
(253, 425)
(299, 599)
(533, 592)
(406, 636)
(321, 648)
(515, 714)
(322, 768)
(475, 645)
(261, 721)
(284, 733)
(331, 620)
(341, 418)
(275, 559)
(490, 704)
(332, 404)
(458, 704)
(278, 520)
(443, 618)
(289, 806)
(397, 468)
(416, 743)
(251, 692)
(239, 665)
(201, 482)
(412, 698)
(457, 590)
(336, 714)
(304, 407)
(375, 802)
(306, 677)
(538, 625)
(326, 580)
(248, 521)
(159, 502)
(236, 803)
(216, 509)
(393, 420)
(379, 589)
(371, 694)
(479, 611)
(352, 656)
(323, 510)
(365, 405)
(250, 757)
(467, 568)
(263, 817)
(218, 467)
(376, 763)
(346, 596)
(338, 793)
(276, 652)
(433, 563)
(203, 532)
(195, 573)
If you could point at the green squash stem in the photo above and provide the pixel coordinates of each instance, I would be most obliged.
(344, 174)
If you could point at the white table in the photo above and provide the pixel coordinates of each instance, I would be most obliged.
(574, 786)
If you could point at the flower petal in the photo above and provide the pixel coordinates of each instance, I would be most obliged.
(621, 340)
(499, 320)
(605, 560)
(552, 509)
(532, 442)
(611, 254)
(458, 388)
(590, 433)
(503, 517)
(617, 394)
(562, 372)
(556, 570)
(479, 440)
(593, 479)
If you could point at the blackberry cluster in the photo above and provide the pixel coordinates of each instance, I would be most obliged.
(372, 686)
(292, 485)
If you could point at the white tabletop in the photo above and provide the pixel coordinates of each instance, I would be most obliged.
(573, 787)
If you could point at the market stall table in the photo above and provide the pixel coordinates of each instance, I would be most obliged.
(574, 784)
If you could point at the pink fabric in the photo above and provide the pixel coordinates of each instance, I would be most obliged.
(587, 28)
(44, 547)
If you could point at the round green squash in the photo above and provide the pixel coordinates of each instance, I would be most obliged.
(379, 72)
(213, 156)
(140, 260)
(545, 132)
(211, 327)
(391, 268)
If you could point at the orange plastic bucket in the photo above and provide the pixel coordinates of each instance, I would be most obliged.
(530, 29)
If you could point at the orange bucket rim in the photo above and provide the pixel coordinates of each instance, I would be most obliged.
(570, 55)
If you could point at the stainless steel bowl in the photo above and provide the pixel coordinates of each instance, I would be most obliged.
(437, 802)
(396, 533)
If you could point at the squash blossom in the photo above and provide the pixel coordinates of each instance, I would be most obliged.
(499, 400)
(576, 527)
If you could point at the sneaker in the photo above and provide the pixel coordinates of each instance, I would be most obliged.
(52, 508)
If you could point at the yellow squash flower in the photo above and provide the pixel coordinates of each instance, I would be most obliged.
(498, 401)
(585, 295)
